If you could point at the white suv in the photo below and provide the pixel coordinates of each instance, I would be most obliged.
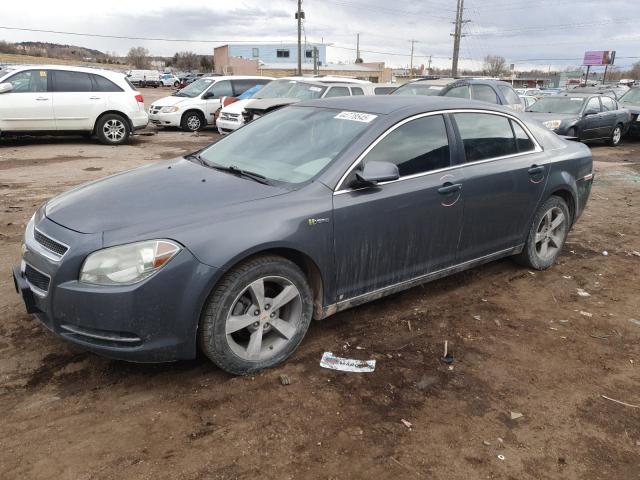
(62, 99)
(195, 106)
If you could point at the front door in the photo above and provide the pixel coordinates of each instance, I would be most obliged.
(28, 106)
(402, 229)
(504, 177)
(592, 119)
(212, 97)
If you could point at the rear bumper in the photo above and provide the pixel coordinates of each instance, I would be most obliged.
(139, 120)
(152, 321)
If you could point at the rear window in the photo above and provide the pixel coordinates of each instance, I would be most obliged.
(337, 92)
(102, 84)
(510, 95)
(485, 136)
(458, 92)
(356, 91)
(484, 93)
(383, 90)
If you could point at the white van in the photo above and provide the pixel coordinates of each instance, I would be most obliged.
(144, 78)
(195, 106)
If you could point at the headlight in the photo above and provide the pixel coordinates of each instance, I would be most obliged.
(127, 264)
(552, 124)
(169, 109)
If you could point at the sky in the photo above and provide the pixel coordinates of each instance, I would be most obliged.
(547, 34)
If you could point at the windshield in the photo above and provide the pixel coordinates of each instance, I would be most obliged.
(194, 89)
(290, 89)
(632, 96)
(289, 145)
(5, 71)
(568, 105)
(418, 89)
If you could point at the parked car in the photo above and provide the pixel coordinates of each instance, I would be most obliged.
(298, 91)
(529, 92)
(613, 91)
(56, 99)
(426, 87)
(169, 80)
(528, 100)
(584, 116)
(384, 88)
(144, 78)
(490, 91)
(195, 106)
(551, 91)
(313, 209)
(631, 101)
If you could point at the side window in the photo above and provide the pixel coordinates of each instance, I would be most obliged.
(337, 92)
(484, 93)
(101, 84)
(458, 92)
(356, 91)
(282, 53)
(608, 104)
(221, 89)
(510, 95)
(29, 81)
(523, 142)
(64, 81)
(418, 146)
(241, 86)
(485, 136)
(593, 105)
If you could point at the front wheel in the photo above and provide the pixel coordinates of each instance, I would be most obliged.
(547, 235)
(192, 121)
(112, 129)
(616, 136)
(176, 84)
(257, 316)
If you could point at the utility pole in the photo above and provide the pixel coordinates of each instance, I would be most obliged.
(316, 71)
(358, 59)
(457, 35)
(411, 67)
(299, 17)
(429, 66)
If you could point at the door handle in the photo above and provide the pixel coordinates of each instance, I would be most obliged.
(449, 187)
(95, 98)
(536, 169)
(40, 99)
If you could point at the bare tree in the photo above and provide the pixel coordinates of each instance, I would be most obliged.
(635, 71)
(495, 66)
(186, 60)
(138, 57)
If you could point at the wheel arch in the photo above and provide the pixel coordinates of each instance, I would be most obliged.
(197, 110)
(567, 195)
(115, 112)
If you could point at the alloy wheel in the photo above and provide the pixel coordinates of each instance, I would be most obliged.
(617, 135)
(264, 318)
(193, 123)
(550, 233)
(114, 130)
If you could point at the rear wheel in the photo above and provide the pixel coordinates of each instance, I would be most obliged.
(257, 316)
(112, 129)
(547, 234)
(616, 136)
(176, 84)
(192, 121)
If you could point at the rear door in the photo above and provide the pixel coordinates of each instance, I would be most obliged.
(29, 105)
(609, 115)
(402, 229)
(504, 175)
(75, 105)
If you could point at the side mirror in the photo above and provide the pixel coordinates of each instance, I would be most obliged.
(376, 172)
(591, 112)
(5, 87)
(208, 95)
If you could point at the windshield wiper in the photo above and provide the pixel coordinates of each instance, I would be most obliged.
(198, 158)
(242, 173)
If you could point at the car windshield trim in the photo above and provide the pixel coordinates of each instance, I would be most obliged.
(290, 89)
(195, 89)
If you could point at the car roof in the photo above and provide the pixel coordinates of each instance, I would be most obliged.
(71, 68)
(237, 77)
(579, 95)
(386, 104)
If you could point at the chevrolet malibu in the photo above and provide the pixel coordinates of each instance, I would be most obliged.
(310, 210)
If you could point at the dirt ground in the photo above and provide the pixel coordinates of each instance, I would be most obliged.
(523, 342)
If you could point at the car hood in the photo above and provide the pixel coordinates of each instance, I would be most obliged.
(237, 106)
(545, 117)
(176, 192)
(269, 103)
(171, 101)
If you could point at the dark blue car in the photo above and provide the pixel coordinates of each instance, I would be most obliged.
(307, 211)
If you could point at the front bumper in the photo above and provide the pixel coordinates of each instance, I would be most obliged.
(166, 119)
(155, 320)
(227, 126)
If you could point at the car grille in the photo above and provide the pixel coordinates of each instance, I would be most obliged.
(155, 109)
(231, 117)
(37, 278)
(50, 244)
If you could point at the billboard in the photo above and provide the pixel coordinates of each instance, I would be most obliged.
(599, 58)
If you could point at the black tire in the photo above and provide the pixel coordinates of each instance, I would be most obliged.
(220, 347)
(113, 129)
(189, 123)
(616, 136)
(176, 84)
(531, 255)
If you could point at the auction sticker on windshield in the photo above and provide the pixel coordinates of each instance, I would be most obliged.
(356, 116)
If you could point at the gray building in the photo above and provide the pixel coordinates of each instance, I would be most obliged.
(278, 52)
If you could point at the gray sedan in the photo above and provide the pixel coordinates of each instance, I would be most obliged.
(310, 210)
